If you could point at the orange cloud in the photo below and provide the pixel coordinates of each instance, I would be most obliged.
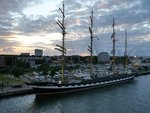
(84, 54)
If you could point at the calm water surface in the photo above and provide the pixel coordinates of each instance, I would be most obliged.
(133, 97)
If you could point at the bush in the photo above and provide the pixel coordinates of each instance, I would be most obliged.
(44, 68)
(53, 71)
(17, 71)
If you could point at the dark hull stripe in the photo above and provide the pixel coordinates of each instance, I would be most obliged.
(51, 91)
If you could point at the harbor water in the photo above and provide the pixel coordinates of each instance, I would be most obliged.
(131, 97)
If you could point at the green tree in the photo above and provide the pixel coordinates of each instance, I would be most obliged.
(17, 71)
(40, 61)
(10, 60)
(23, 64)
(53, 71)
(44, 68)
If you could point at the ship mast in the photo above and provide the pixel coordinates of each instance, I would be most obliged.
(90, 48)
(114, 47)
(126, 56)
(62, 48)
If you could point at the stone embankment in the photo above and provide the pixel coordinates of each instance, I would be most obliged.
(15, 90)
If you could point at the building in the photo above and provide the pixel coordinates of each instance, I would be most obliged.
(25, 54)
(38, 52)
(103, 57)
(33, 61)
(2, 62)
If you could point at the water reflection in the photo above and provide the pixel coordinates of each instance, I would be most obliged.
(132, 97)
(90, 101)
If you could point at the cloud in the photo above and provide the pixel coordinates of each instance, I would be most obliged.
(8, 50)
(72, 5)
(5, 42)
(130, 15)
(11, 13)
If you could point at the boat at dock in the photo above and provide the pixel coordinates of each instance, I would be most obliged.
(94, 80)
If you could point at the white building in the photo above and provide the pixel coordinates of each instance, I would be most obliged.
(103, 57)
(38, 52)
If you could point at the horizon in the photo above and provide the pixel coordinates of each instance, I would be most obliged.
(30, 55)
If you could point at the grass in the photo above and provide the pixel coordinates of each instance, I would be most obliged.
(8, 80)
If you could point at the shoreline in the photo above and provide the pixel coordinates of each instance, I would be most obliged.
(24, 89)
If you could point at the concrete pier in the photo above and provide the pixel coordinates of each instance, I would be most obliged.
(14, 91)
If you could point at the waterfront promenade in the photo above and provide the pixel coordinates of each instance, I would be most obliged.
(16, 90)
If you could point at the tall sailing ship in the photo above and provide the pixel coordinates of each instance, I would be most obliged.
(94, 81)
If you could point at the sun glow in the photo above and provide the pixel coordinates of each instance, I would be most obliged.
(24, 43)
(31, 40)
(84, 54)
